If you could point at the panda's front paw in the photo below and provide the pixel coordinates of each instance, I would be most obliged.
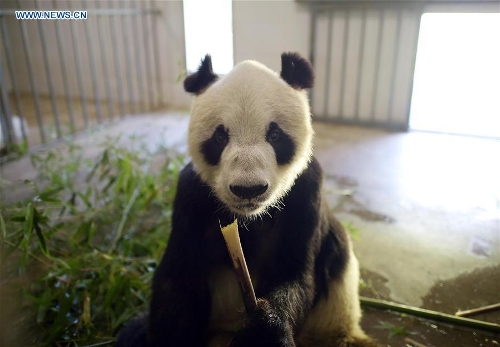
(264, 328)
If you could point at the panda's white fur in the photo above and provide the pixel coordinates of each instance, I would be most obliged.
(245, 102)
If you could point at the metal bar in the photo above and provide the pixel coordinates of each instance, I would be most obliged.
(361, 54)
(413, 63)
(6, 114)
(31, 76)
(312, 47)
(93, 74)
(147, 64)
(380, 124)
(377, 62)
(128, 64)
(328, 61)
(64, 72)
(395, 58)
(104, 64)
(12, 75)
(79, 74)
(48, 75)
(118, 72)
(138, 64)
(156, 57)
(321, 4)
(344, 62)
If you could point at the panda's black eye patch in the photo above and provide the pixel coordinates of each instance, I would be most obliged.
(213, 147)
(283, 145)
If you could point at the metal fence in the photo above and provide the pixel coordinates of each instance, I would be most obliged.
(58, 77)
(367, 53)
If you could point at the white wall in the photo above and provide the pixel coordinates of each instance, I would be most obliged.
(262, 30)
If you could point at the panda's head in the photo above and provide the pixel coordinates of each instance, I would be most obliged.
(250, 133)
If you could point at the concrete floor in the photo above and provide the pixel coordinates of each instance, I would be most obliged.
(427, 205)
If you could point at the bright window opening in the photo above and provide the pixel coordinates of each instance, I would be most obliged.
(457, 75)
(208, 27)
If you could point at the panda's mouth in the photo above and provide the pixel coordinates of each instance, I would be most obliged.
(248, 208)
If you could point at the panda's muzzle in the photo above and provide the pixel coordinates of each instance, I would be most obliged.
(248, 192)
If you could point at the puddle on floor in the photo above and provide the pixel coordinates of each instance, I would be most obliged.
(467, 291)
(478, 288)
(346, 187)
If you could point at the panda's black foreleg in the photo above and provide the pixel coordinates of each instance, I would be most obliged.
(180, 303)
(277, 317)
(264, 327)
(134, 334)
(178, 315)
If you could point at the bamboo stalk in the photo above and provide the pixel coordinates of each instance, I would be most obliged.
(433, 315)
(414, 343)
(232, 238)
(478, 310)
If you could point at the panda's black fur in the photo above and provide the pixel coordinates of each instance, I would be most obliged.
(296, 252)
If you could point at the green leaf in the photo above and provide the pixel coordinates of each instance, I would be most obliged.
(41, 241)
(395, 331)
(43, 306)
(28, 222)
(30, 184)
(21, 217)
(38, 217)
(3, 229)
(48, 195)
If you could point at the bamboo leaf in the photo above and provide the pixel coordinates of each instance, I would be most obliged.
(3, 229)
(28, 222)
(19, 217)
(48, 195)
(43, 306)
(86, 317)
(41, 241)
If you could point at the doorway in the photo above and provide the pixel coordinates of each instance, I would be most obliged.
(457, 76)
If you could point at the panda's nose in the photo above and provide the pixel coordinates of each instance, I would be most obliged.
(248, 192)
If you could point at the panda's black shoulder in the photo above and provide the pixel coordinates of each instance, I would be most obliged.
(193, 194)
(307, 197)
(308, 185)
(189, 179)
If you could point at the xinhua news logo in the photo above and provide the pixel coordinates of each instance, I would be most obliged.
(51, 15)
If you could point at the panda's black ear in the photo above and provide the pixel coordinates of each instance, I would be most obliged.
(296, 70)
(197, 82)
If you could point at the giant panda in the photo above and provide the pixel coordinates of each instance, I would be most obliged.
(250, 140)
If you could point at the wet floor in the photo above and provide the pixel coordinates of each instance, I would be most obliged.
(467, 291)
(425, 211)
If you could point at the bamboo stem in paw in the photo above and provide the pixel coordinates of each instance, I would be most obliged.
(232, 239)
